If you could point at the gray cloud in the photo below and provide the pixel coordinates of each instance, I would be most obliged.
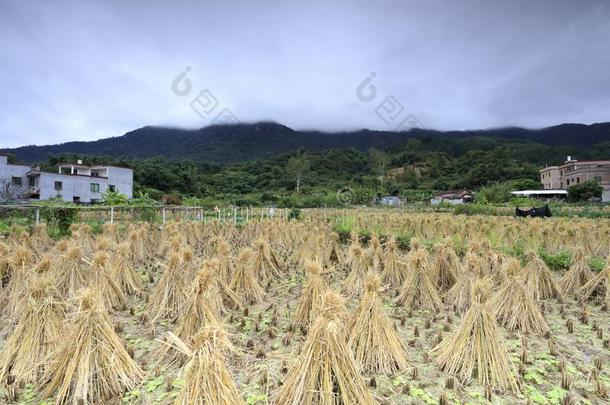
(84, 70)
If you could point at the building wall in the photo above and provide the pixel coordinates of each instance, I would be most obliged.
(72, 186)
(7, 172)
(550, 178)
(122, 179)
(581, 173)
(574, 172)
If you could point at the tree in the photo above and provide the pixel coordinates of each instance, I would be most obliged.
(8, 191)
(379, 162)
(527, 184)
(585, 191)
(297, 168)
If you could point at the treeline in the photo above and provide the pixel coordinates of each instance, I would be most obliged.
(417, 169)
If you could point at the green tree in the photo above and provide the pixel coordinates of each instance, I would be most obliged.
(585, 191)
(379, 162)
(297, 168)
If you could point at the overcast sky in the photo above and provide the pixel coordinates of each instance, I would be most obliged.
(83, 70)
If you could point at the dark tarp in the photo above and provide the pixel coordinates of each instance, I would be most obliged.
(534, 212)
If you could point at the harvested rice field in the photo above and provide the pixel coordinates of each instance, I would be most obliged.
(375, 308)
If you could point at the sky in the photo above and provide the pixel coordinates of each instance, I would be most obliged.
(85, 70)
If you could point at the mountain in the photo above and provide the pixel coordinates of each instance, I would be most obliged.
(225, 144)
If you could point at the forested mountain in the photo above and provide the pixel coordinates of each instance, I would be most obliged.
(224, 144)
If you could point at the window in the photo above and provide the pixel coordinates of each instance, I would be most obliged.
(112, 188)
(95, 188)
(16, 181)
(597, 179)
(578, 180)
(58, 185)
(32, 181)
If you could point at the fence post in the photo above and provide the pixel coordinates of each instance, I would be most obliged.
(163, 215)
(235, 215)
(37, 216)
(112, 215)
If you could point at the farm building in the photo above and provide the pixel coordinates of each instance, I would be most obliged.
(73, 182)
(573, 172)
(455, 197)
(389, 200)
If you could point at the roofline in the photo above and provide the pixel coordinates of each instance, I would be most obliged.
(530, 192)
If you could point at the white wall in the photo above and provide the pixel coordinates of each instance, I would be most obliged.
(72, 185)
(122, 179)
(7, 172)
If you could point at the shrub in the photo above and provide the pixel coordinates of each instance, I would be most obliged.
(585, 191)
(295, 213)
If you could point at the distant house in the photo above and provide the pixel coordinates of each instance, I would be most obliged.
(72, 182)
(573, 172)
(389, 200)
(455, 197)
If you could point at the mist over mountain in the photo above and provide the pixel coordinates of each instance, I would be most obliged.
(226, 144)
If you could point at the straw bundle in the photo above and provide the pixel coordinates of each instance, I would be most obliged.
(265, 262)
(228, 297)
(104, 243)
(460, 294)
(4, 264)
(138, 247)
(514, 305)
(206, 378)
(577, 275)
(335, 254)
(394, 271)
(104, 283)
(19, 272)
(44, 264)
(375, 343)
(476, 347)
(124, 274)
(310, 303)
(111, 231)
(84, 235)
(375, 253)
(418, 290)
(325, 373)
(223, 251)
(90, 365)
(202, 308)
(358, 264)
(445, 267)
(243, 282)
(597, 288)
(169, 293)
(539, 279)
(72, 272)
(37, 332)
(40, 237)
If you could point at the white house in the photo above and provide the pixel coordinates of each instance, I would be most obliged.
(72, 182)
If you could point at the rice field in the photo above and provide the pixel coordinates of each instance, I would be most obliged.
(379, 307)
